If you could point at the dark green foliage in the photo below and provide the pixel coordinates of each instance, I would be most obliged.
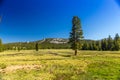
(85, 46)
(1, 45)
(116, 42)
(98, 44)
(22, 45)
(32, 45)
(19, 48)
(110, 43)
(76, 34)
(36, 46)
(106, 44)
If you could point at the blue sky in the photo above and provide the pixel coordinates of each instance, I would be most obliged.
(29, 20)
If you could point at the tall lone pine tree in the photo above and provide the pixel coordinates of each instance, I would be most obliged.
(76, 34)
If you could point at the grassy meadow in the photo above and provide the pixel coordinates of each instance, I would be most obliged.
(59, 64)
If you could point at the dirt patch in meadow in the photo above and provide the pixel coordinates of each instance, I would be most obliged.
(19, 67)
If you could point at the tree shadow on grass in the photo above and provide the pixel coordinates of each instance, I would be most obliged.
(39, 59)
(58, 54)
(15, 54)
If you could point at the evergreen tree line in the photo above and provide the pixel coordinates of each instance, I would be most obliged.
(106, 44)
(35, 45)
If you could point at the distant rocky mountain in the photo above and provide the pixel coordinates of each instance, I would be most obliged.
(48, 43)
(50, 40)
(54, 40)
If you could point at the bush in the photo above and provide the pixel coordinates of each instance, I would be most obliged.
(3, 66)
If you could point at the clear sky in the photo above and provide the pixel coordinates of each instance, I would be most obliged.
(29, 20)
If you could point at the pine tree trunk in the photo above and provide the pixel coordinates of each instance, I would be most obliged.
(75, 52)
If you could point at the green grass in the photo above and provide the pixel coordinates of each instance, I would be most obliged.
(59, 65)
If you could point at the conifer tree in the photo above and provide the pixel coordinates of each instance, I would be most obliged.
(94, 45)
(76, 34)
(104, 44)
(85, 46)
(117, 42)
(1, 45)
(36, 46)
(110, 43)
(99, 46)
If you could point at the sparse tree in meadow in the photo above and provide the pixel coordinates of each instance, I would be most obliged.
(1, 47)
(19, 47)
(37, 46)
(0, 42)
(76, 34)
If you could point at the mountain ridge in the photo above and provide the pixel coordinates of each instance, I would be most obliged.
(50, 40)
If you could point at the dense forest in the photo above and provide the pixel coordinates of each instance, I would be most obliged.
(106, 44)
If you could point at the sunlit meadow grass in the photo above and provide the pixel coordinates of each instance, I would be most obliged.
(56, 64)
